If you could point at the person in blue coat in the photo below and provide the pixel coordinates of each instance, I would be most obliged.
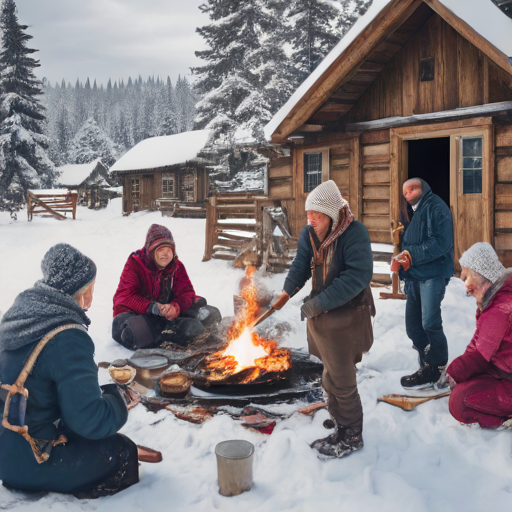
(64, 395)
(426, 266)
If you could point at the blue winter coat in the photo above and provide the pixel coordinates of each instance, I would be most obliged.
(429, 240)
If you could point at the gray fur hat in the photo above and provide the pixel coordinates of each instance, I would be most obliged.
(326, 198)
(482, 258)
(67, 269)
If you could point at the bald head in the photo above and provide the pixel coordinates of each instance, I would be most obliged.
(413, 190)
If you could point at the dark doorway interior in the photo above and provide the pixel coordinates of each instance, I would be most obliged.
(429, 159)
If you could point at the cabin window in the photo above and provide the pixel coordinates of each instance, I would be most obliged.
(471, 168)
(135, 193)
(168, 185)
(188, 187)
(312, 170)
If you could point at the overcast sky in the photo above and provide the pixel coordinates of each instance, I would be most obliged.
(103, 39)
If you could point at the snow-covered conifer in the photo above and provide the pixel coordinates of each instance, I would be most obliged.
(90, 143)
(24, 161)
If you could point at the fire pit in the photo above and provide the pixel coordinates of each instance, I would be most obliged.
(248, 358)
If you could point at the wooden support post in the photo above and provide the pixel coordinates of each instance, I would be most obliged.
(211, 228)
(395, 280)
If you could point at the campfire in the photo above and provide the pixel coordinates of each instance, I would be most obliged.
(248, 358)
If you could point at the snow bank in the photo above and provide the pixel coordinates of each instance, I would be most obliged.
(417, 461)
(162, 151)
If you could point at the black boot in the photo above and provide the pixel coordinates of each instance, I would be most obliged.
(342, 442)
(426, 376)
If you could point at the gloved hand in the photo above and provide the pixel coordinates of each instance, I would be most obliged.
(312, 308)
(401, 260)
(279, 300)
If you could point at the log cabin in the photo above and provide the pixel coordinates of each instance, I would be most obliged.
(92, 181)
(416, 88)
(162, 172)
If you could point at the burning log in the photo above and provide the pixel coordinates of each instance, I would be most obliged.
(248, 358)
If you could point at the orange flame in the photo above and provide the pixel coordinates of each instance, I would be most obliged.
(247, 350)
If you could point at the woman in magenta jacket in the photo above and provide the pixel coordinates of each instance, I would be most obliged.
(155, 294)
(482, 377)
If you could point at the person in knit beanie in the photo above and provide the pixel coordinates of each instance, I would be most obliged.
(481, 378)
(74, 422)
(335, 251)
(155, 295)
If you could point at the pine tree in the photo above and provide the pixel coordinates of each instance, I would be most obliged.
(24, 162)
(351, 11)
(90, 143)
(314, 34)
(240, 65)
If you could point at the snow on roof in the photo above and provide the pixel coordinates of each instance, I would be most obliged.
(482, 15)
(163, 151)
(75, 174)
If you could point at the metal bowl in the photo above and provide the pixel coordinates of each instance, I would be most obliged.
(174, 384)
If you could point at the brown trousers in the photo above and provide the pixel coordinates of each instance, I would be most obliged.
(340, 338)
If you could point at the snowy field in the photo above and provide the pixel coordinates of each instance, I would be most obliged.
(417, 461)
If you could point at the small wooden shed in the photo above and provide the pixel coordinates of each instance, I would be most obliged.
(417, 88)
(92, 182)
(163, 171)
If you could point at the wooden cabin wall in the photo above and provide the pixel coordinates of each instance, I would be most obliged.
(280, 188)
(376, 185)
(503, 197)
(461, 77)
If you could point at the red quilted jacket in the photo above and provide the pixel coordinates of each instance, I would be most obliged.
(490, 350)
(142, 283)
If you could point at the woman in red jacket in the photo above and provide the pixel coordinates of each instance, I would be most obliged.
(482, 377)
(155, 294)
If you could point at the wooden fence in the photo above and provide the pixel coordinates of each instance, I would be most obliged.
(52, 202)
(240, 228)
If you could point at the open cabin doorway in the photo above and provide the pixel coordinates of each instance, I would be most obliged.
(429, 159)
(456, 163)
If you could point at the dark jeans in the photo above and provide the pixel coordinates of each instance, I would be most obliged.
(423, 321)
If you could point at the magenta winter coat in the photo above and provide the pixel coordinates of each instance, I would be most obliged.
(143, 283)
(490, 350)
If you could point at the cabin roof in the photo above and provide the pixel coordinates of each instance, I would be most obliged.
(73, 175)
(163, 151)
(480, 19)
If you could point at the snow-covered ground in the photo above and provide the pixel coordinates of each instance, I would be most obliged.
(417, 461)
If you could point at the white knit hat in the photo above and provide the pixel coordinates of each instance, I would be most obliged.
(326, 198)
(482, 258)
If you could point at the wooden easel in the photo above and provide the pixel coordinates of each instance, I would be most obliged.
(395, 280)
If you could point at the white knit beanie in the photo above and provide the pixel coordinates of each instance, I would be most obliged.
(482, 258)
(326, 198)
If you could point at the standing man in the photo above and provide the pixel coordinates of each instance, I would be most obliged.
(427, 266)
(335, 250)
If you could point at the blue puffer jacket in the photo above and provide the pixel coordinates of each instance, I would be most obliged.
(429, 240)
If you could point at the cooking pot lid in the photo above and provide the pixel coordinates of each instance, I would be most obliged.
(150, 362)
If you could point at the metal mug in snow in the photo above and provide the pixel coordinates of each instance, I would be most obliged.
(234, 466)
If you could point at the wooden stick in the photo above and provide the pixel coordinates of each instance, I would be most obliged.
(408, 403)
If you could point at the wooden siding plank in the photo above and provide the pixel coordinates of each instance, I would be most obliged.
(503, 197)
(503, 220)
(503, 241)
(505, 258)
(503, 135)
(376, 192)
(374, 177)
(280, 189)
(279, 172)
(470, 66)
(380, 236)
(378, 222)
(375, 206)
(504, 168)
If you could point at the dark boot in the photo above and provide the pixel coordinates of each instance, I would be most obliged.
(342, 442)
(426, 376)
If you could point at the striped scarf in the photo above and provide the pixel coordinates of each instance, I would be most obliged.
(323, 255)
